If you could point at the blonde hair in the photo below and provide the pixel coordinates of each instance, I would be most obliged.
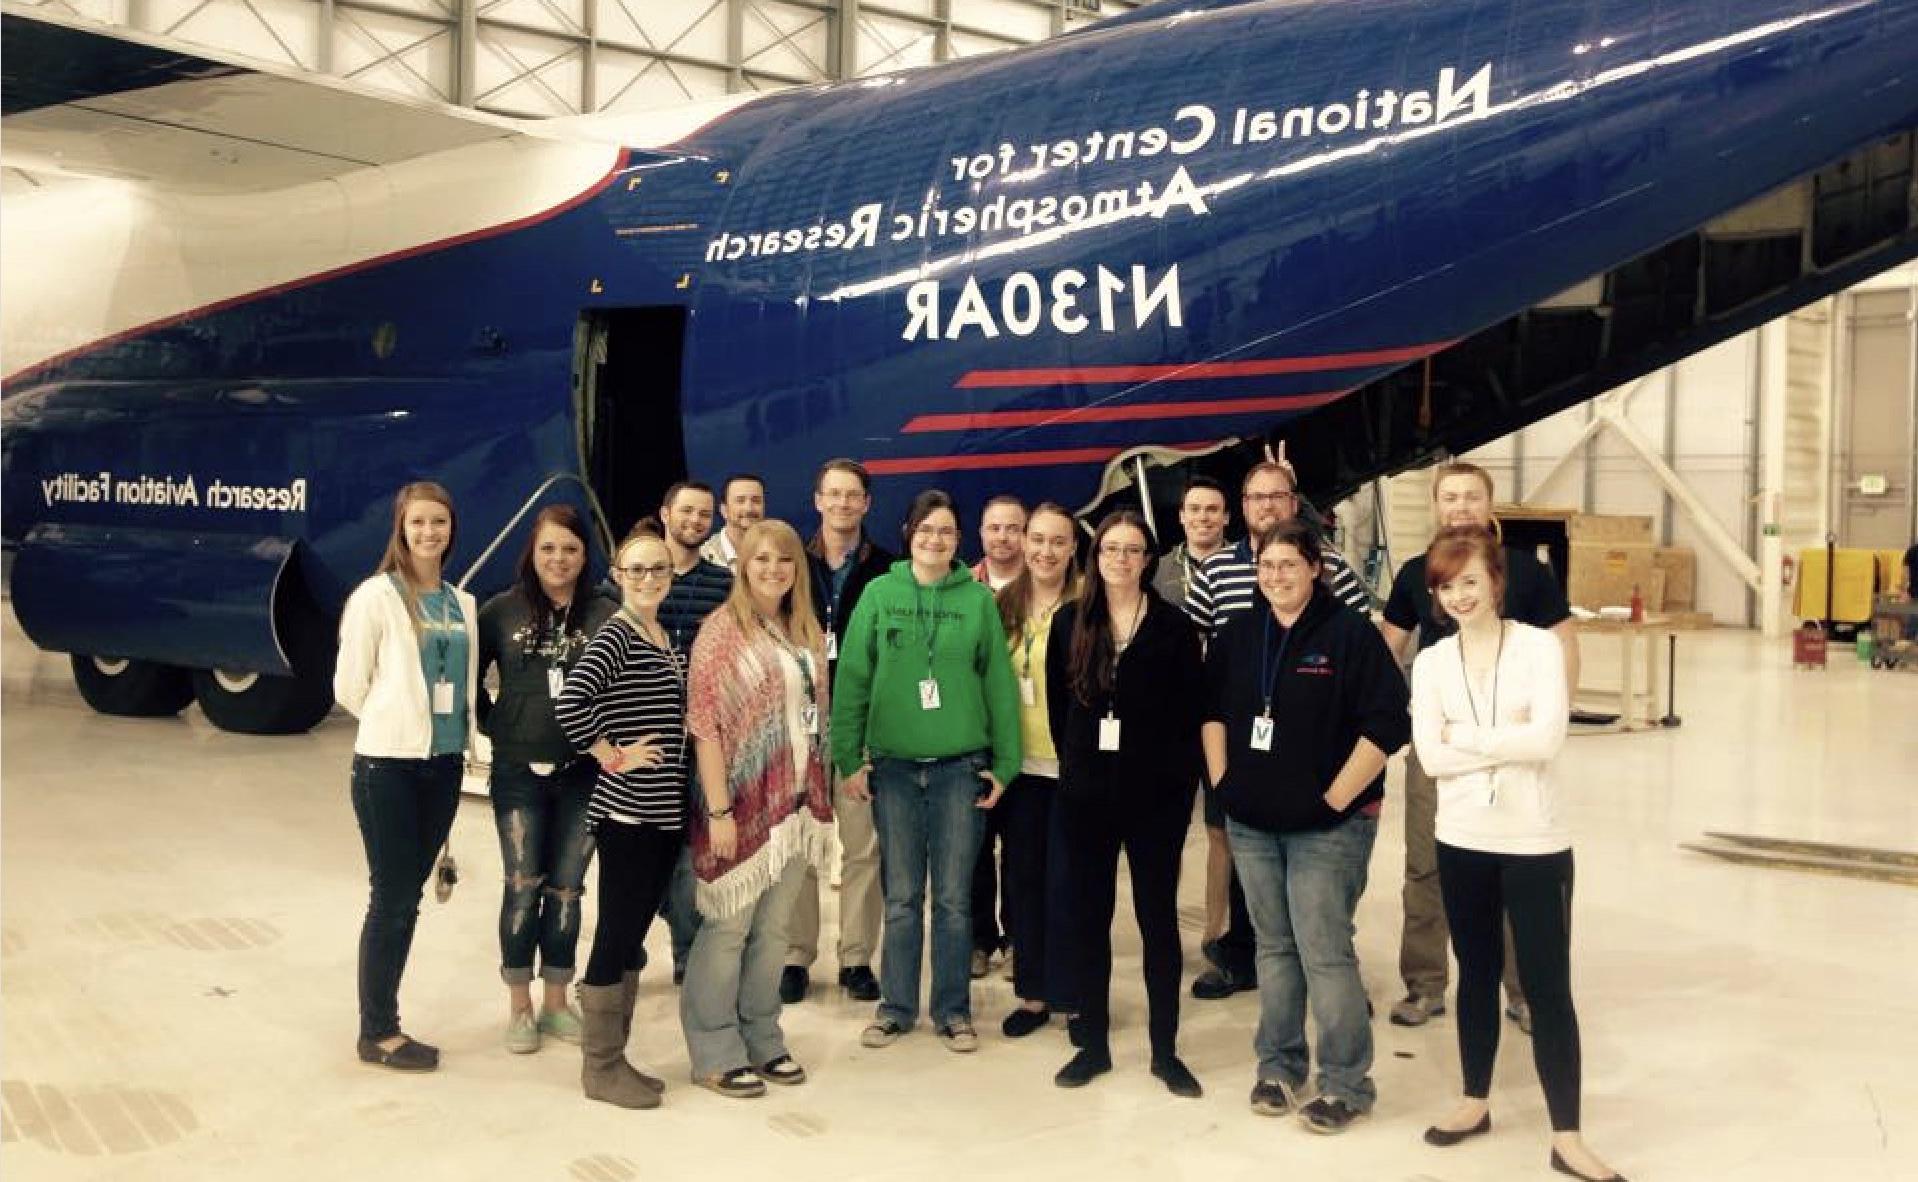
(796, 606)
(398, 559)
(634, 542)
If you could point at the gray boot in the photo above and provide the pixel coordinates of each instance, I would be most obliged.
(630, 999)
(604, 1072)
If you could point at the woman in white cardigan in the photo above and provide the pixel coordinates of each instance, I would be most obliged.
(408, 665)
(1488, 717)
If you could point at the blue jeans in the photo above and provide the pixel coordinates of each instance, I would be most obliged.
(929, 825)
(729, 1007)
(544, 846)
(405, 809)
(677, 909)
(1302, 890)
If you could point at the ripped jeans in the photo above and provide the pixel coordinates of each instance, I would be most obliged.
(544, 846)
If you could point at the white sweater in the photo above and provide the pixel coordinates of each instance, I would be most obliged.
(379, 677)
(1495, 790)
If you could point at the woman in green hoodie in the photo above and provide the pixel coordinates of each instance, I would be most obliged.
(925, 724)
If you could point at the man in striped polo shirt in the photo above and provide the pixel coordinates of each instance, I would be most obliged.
(1220, 588)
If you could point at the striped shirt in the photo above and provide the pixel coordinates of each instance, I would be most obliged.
(1230, 584)
(624, 688)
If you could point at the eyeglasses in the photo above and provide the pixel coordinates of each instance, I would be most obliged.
(1275, 498)
(1283, 567)
(642, 573)
(935, 533)
(1116, 550)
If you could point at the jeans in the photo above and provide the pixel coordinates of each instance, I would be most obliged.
(1091, 833)
(544, 846)
(729, 1006)
(635, 866)
(1483, 891)
(677, 908)
(1303, 889)
(929, 823)
(1031, 879)
(405, 809)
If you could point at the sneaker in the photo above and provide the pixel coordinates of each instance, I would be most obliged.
(882, 1033)
(1271, 1097)
(1329, 1114)
(783, 1071)
(958, 1036)
(1521, 1013)
(793, 983)
(1416, 1009)
(1215, 984)
(859, 983)
(563, 1024)
(522, 1033)
(981, 963)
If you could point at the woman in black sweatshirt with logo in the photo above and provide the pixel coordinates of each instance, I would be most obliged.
(1304, 705)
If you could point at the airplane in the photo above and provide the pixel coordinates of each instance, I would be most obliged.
(248, 304)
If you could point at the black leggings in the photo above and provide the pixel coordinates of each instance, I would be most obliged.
(635, 867)
(1089, 835)
(1480, 891)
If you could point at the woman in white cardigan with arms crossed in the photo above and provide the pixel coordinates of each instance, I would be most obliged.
(1488, 717)
(409, 662)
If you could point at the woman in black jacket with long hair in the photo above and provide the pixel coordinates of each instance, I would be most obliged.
(1123, 681)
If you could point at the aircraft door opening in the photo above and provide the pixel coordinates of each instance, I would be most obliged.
(626, 389)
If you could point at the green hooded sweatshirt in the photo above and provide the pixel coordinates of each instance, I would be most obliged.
(876, 699)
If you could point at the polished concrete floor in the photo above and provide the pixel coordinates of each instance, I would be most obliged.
(181, 908)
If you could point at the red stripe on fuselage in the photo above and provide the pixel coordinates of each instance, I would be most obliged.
(1135, 412)
(590, 192)
(1010, 459)
(1092, 375)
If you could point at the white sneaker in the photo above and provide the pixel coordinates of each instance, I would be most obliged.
(522, 1033)
(958, 1035)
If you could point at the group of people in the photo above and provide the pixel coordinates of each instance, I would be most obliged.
(743, 704)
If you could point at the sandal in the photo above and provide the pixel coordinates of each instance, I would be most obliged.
(784, 1071)
(410, 1055)
(741, 1083)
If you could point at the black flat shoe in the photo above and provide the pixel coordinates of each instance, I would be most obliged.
(410, 1055)
(1564, 1167)
(1177, 1078)
(859, 983)
(1446, 1137)
(794, 980)
(1023, 1021)
(1085, 1067)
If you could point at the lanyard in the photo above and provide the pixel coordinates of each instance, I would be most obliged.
(1029, 633)
(671, 654)
(800, 658)
(1498, 656)
(1269, 670)
(1118, 649)
(919, 614)
(443, 635)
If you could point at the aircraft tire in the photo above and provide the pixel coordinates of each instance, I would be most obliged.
(257, 704)
(132, 689)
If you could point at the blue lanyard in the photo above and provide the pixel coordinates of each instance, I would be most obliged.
(1270, 670)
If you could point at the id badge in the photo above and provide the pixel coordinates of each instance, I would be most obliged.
(1108, 733)
(809, 718)
(929, 694)
(555, 682)
(1262, 733)
(832, 646)
(442, 696)
(1028, 692)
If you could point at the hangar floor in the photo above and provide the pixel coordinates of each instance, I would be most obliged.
(181, 908)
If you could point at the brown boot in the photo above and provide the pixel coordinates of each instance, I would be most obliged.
(630, 999)
(604, 1073)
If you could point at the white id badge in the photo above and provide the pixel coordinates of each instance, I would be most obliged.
(442, 696)
(555, 682)
(929, 694)
(832, 646)
(1108, 733)
(809, 718)
(1028, 692)
(1262, 733)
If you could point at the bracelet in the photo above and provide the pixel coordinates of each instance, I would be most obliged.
(618, 760)
(721, 814)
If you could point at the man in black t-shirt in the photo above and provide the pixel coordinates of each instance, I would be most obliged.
(1461, 495)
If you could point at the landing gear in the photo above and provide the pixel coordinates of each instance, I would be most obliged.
(130, 688)
(256, 704)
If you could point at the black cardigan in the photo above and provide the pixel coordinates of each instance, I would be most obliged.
(1338, 684)
(1158, 698)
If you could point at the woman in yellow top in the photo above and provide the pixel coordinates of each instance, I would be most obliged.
(1026, 606)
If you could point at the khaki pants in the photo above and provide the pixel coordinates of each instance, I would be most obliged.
(860, 904)
(1424, 962)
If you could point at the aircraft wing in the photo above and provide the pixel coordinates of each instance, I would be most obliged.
(83, 99)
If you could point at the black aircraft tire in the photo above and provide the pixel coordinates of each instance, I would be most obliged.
(262, 705)
(132, 689)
